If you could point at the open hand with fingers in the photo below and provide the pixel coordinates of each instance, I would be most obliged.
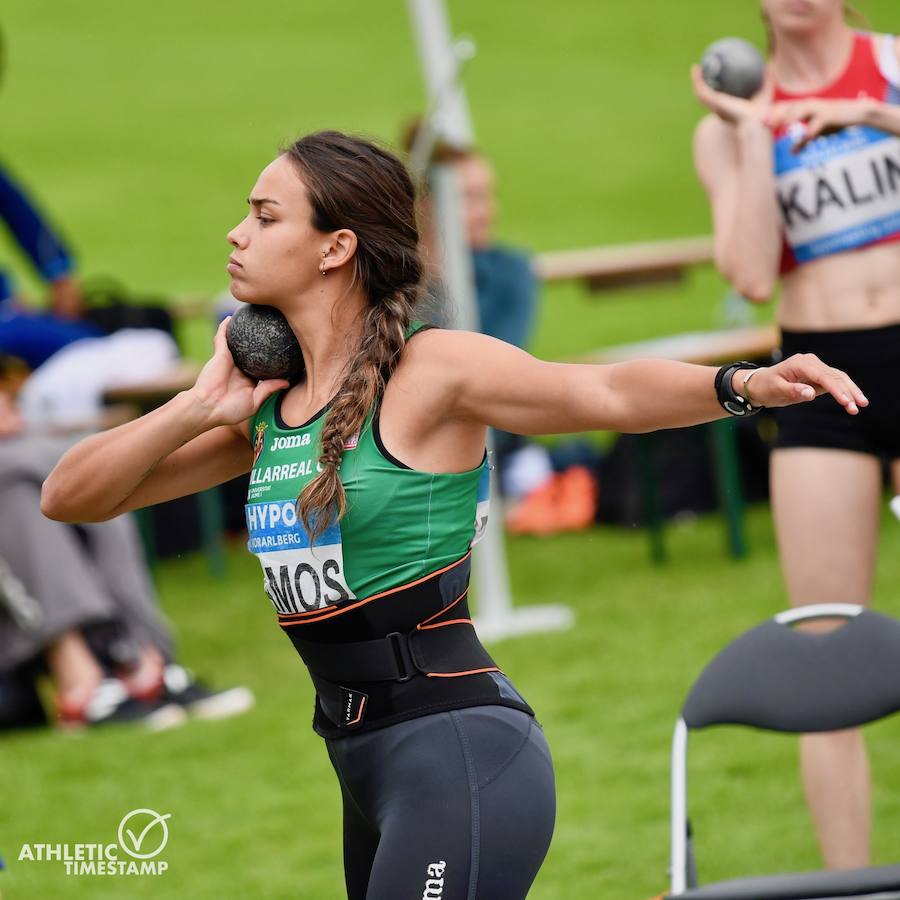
(734, 109)
(798, 379)
(819, 116)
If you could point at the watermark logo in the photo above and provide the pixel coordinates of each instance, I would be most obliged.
(150, 834)
(142, 834)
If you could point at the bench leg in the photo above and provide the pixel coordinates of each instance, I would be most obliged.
(650, 492)
(144, 520)
(728, 480)
(211, 527)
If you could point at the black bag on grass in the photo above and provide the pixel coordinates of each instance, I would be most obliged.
(683, 466)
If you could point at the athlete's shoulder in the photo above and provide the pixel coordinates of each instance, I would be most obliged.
(877, 53)
(437, 359)
(886, 49)
(426, 348)
(441, 344)
(875, 38)
(440, 368)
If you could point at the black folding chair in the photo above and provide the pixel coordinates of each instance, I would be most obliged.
(780, 678)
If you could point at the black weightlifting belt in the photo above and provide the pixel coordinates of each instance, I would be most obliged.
(444, 651)
(402, 653)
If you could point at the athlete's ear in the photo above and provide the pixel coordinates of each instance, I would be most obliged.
(340, 251)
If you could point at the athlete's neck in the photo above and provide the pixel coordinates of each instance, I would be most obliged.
(328, 325)
(806, 63)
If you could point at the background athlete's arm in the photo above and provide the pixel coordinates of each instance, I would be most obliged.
(733, 158)
(197, 440)
(493, 383)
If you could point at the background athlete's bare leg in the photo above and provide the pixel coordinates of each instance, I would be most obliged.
(826, 506)
(74, 670)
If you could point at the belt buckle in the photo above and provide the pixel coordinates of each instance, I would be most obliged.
(402, 653)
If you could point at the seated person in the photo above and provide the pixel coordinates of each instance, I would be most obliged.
(506, 293)
(78, 602)
(506, 288)
(26, 334)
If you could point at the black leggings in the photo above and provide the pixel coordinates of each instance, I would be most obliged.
(457, 805)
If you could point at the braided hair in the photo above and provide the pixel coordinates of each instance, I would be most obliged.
(352, 183)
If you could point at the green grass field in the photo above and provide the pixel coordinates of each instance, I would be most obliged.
(142, 128)
(254, 802)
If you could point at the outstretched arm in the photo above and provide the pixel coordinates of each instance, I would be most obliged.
(495, 384)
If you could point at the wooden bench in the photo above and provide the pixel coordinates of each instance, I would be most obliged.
(147, 395)
(705, 348)
(614, 266)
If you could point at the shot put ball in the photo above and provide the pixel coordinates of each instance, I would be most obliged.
(262, 344)
(733, 66)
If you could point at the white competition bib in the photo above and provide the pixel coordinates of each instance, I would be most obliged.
(297, 577)
(840, 192)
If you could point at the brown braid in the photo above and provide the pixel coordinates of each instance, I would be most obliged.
(354, 184)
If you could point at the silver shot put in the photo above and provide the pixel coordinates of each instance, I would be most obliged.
(733, 66)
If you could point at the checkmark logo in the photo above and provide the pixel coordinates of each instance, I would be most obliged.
(144, 833)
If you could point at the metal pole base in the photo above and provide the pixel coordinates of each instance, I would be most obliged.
(524, 620)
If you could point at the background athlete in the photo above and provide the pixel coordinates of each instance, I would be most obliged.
(825, 218)
(446, 777)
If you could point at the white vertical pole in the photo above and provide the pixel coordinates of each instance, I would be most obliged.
(448, 119)
(678, 822)
(447, 101)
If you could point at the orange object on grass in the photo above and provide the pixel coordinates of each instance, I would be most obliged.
(567, 501)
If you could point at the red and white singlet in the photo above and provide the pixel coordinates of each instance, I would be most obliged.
(842, 191)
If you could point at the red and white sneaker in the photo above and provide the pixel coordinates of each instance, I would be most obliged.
(110, 704)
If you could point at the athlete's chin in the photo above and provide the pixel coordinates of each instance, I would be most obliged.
(269, 293)
(247, 292)
(799, 22)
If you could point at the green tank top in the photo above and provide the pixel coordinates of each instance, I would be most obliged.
(393, 571)
(400, 524)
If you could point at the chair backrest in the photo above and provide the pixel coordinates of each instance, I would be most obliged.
(782, 678)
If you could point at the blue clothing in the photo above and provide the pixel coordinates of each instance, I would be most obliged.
(507, 294)
(33, 337)
(42, 246)
(506, 290)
